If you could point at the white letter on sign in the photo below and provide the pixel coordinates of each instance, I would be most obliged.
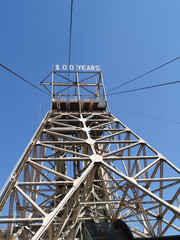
(71, 67)
(88, 68)
(83, 67)
(64, 67)
(78, 67)
(57, 67)
(92, 68)
(98, 68)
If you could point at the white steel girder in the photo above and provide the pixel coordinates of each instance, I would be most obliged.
(87, 165)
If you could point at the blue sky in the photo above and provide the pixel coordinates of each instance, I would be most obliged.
(125, 37)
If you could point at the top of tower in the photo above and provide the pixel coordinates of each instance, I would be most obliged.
(76, 88)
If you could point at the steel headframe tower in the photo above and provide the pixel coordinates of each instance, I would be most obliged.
(84, 165)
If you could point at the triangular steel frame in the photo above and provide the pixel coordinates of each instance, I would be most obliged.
(83, 164)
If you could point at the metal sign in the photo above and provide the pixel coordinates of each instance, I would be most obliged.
(92, 68)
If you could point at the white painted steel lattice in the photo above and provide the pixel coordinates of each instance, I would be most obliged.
(83, 164)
